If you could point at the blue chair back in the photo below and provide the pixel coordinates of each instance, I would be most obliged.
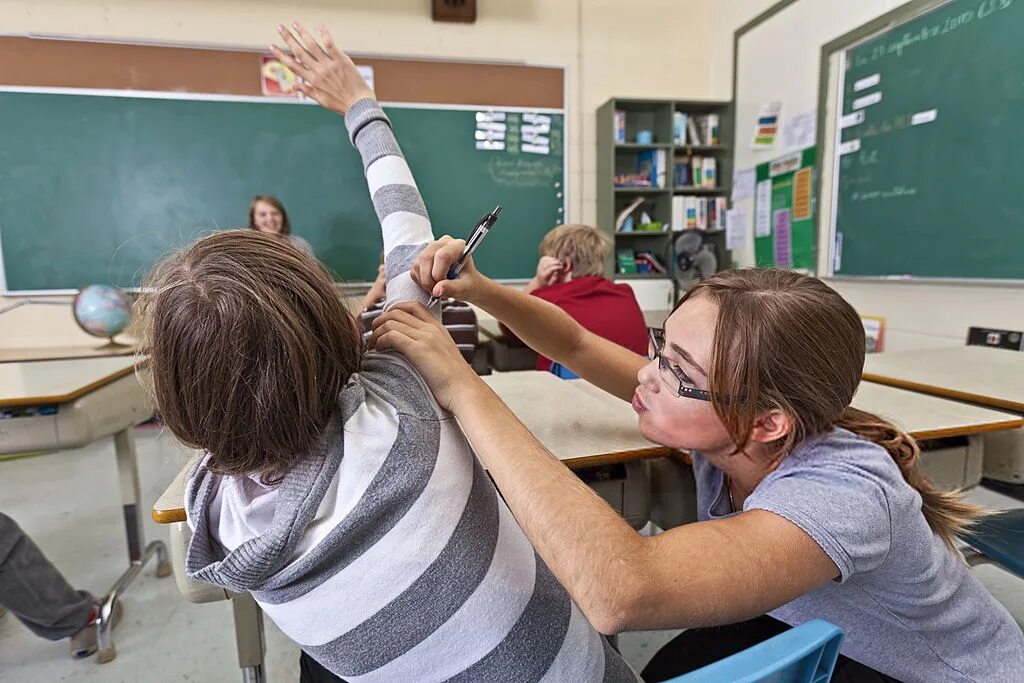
(560, 370)
(804, 654)
(1000, 538)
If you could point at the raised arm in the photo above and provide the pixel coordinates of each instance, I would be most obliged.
(544, 327)
(331, 78)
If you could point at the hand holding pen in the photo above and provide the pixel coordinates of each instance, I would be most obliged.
(476, 237)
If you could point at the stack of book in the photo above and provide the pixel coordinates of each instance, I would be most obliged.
(700, 213)
(638, 261)
(696, 171)
(695, 130)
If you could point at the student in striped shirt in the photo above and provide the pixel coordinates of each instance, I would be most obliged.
(333, 487)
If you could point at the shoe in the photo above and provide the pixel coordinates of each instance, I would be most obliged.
(85, 642)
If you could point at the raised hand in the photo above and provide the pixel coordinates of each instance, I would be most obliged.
(328, 75)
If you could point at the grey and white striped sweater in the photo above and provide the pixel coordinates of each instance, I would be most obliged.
(387, 554)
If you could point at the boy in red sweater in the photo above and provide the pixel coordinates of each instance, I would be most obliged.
(570, 274)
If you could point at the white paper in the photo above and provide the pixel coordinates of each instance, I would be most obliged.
(491, 145)
(867, 82)
(539, 119)
(763, 226)
(743, 184)
(367, 73)
(735, 228)
(849, 147)
(798, 131)
(535, 149)
(867, 100)
(488, 116)
(854, 119)
(924, 117)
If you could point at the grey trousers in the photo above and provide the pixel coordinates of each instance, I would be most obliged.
(34, 591)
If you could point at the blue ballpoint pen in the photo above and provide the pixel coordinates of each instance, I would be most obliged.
(480, 231)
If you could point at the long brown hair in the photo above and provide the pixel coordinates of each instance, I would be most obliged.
(249, 345)
(786, 341)
(286, 225)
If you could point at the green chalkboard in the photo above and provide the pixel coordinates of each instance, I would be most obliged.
(929, 182)
(95, 188)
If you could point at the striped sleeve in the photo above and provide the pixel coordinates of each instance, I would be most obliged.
(396, 199)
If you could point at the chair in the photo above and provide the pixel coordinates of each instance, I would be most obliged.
(458, 318)
(250, 644)
(560, 370)
(998, 539)
(804, 654)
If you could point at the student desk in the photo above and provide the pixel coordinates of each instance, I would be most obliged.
(60, 404)
(14, 355)
(988, 377)
(993, 378)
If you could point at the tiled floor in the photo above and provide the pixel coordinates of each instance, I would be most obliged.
(70, 504)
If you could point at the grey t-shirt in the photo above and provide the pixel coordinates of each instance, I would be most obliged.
(908, 606)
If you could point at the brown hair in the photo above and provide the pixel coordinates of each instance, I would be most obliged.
(786, 341)
(582, 246)
(286, 226)
(249, 345)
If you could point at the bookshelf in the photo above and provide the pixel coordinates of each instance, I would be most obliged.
(648, 134)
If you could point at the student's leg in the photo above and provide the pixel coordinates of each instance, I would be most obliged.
(699, 647)
(33, 590)
(311, 671)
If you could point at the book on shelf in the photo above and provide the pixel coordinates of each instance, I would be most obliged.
(625, 259)
(632, 180)
(708, 174)
(619, 123)
(679, 128)
(693, 135)
(716, 213)
(647, 262)
(651, 162)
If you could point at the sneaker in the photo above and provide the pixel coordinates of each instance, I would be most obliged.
(85, 642)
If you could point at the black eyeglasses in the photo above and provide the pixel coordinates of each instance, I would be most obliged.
(657, 337)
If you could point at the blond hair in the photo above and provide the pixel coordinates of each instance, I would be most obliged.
(786, 341)
(581, 246)
(249, 344)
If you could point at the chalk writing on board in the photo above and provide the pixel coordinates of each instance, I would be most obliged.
(941, 26)
(523, 172)
(890, 193)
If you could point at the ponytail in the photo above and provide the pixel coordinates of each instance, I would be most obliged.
(947, 514)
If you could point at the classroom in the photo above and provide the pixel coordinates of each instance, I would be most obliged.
(511, 340)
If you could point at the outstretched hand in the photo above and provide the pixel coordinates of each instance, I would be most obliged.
(412, 330)
(328, 75)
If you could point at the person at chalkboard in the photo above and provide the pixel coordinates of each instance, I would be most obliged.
(570, 274)
(267, 214)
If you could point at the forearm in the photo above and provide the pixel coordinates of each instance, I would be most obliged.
(552, 332)
(587, 545)
(405, 223)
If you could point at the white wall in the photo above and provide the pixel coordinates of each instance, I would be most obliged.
(779, 60)
(646, 48)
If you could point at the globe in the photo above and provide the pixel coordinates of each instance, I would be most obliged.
(102, 310)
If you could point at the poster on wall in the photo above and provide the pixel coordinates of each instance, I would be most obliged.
(787, 198)
(766, 130)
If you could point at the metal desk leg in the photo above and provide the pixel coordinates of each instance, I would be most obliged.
(128, 473)
(249, 638)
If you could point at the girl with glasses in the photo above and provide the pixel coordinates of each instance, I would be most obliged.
(808, 508)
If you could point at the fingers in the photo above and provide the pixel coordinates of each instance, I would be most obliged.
(446, 257)
(327, 43)
(298, 44)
